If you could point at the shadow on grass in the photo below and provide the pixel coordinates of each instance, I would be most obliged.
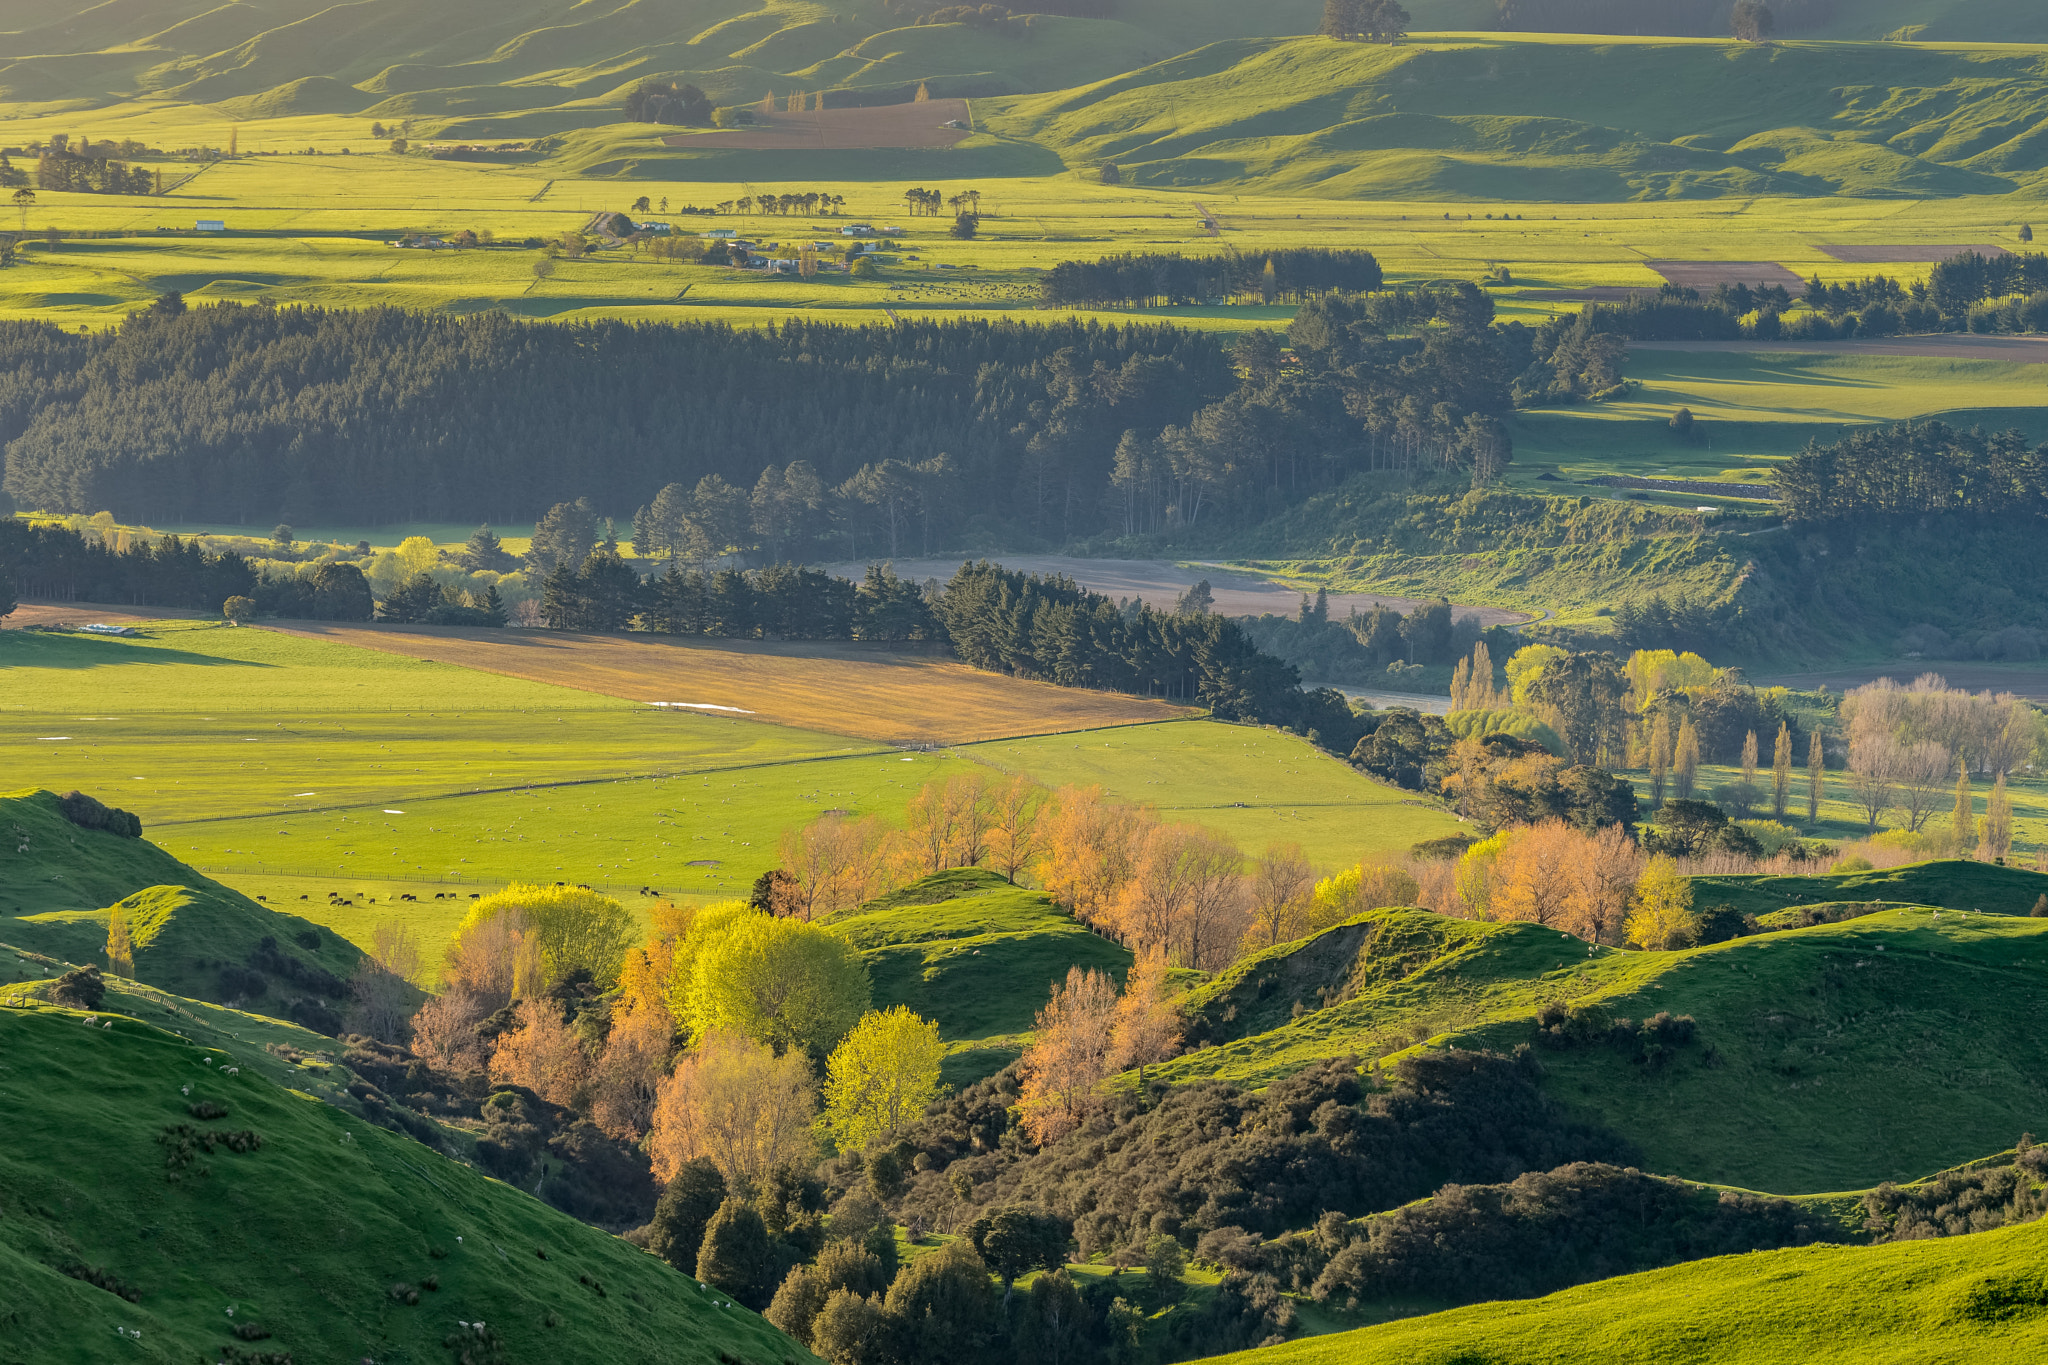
(41, 649)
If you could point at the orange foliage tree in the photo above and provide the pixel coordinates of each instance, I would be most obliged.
(1070, 1056)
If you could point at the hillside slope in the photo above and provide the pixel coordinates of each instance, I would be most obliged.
(331, 1240)
(1976, 1298)
(975, 954)
(59, 881)
(1824, 1058)
(1537, 117)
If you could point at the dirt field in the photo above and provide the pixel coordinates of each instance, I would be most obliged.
(1943, 345)
(843, 689)
(87, 613)
(1901, 255)
(1598, 293)
(887, 125)
(1706, 274)
(1158, 583)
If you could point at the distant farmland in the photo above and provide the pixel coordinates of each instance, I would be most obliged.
(868, 692)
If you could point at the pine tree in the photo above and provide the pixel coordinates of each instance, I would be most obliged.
(1660, 758)
(1994, 834)
(1686, 762)
(1320, 613)
(1816, 773)
(1960, 826)
(1781, 771)
(494, 606)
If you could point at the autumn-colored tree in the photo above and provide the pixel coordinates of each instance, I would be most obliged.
(1536, 876)
(881, 1076)
(1185, 896)
(383, 985)
(491, 959)
(1014, 809)
(626, 1078)
(969, 816)
(837, 862)
(1281, 885)
(570, 927)
(1962, 824)
(1660, 757)
(781, 981)
(735, 1103)
(543, 1054)
(1609, 866)
(1475, 876)
(1069, 1057)
(1148, 1024)
(929, 836)
(1661, 916)
(1091, 851)
(1368, 886)
(444, 1032)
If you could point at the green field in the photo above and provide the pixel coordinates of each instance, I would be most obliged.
(1828, 1058)
(302, 1238)
(1956, 1298)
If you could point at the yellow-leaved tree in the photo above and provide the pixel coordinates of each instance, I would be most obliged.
(779, 981)
(881, 1076)
(120, 945)
(568, 929)
(735, 1103)
(1661, 915)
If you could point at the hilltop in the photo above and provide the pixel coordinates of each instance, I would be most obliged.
(1543, 117)
(1823, 1058)
(329, 1238)
(977, 956)
(192, 935)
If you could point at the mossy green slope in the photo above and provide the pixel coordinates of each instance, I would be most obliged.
(58, 883)
(975, 954)
(1827, 1058)
(302, 1239)
(1550, 117)
(1951, 883)
(1977, 1298)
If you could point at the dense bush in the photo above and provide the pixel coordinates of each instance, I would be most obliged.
(1546, 1231)
(1958, 1202)
(1205, 1156)
(1142, 279)
(86, 813)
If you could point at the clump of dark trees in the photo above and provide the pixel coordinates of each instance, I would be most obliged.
(1916, 469)
(658, 101)
(1958, 1202)
(1155, 278)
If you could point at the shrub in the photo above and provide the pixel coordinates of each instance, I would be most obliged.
(676, 1233)
(81, 988)
(104, 1279)
(86, 813)
(735, 1256)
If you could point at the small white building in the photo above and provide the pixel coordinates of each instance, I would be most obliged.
(720, 234)
(856, 230)
(209, 225)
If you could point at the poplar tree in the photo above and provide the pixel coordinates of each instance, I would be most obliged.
(1660, 758)
(1994, 833)
(1686, 762)
(1816, 775)
(1749, 759)
(1781, 771)
(1961, 826)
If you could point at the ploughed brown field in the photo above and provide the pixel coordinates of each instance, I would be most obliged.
(921, 124)
(891, 695)
(1704, 275)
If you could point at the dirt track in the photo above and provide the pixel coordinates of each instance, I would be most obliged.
(1944, 346)
(888, 125)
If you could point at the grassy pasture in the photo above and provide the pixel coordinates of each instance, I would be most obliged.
(1823, 1305)
(346, 1207)
(1256, 785)
(1828, 1058)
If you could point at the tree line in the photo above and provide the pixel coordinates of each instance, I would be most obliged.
(1915, 469)
(1149, 279)
(61, 168)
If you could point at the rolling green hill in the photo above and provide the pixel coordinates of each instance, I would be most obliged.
(58, 883)
(976, 954)
(330, 1240)
(1534, 117)
(1977, 1298)
(1951, 883)
(1825, 1058)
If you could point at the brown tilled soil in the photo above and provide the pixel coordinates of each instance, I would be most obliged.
(1943, 345)
(1707, 274)
(887, 125)
(1900, 255)
(1158, 583)
(896, 696)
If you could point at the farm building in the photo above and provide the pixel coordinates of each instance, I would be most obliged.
(209, 225)
(720, 234)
